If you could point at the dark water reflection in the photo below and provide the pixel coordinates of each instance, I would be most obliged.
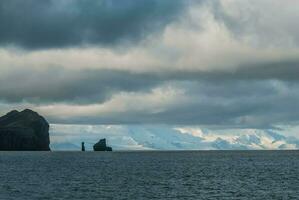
(150, 175)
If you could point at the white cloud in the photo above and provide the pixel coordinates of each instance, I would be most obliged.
(202, 40)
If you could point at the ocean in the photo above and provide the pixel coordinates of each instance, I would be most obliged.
(149, 175)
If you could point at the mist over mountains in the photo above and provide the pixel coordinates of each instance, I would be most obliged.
(133, 137)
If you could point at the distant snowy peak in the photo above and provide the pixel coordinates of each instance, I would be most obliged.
(65, 146)
(243, 139)
(133, 137)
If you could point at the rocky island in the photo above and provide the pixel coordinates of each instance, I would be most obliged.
(101, 146)
(24, 131)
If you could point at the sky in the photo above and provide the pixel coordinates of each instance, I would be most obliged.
(215, 64)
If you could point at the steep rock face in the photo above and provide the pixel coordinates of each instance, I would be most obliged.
(24, 131)
(101, 146)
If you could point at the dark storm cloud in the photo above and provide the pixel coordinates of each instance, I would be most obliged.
(56, 24)
(259, 96)
(95, 86)
(83, 87)
(230, 104)
(285, 70)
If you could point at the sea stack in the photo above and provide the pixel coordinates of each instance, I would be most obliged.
(82, 146)
(101, 146)
(24, 131)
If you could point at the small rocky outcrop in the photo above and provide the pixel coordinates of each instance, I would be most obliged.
(24, 131)
(101, 146)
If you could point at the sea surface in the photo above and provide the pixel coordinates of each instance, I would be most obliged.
(149, 175)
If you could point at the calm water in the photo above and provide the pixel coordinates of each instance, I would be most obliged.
(149, 175)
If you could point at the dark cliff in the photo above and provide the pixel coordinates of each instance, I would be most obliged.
(24, 131)
(101, 146)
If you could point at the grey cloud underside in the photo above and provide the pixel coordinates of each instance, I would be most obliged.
(80, 87)
(96, 86)
(284, 70)
(35, 24)
(237, 104)
(232, 101)
(256, 96)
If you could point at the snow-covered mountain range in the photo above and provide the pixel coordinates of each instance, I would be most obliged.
(69, 137)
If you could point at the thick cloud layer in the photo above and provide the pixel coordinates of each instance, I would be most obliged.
(220, 63)
(229, 104)
(81, 87)
(57, 24)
